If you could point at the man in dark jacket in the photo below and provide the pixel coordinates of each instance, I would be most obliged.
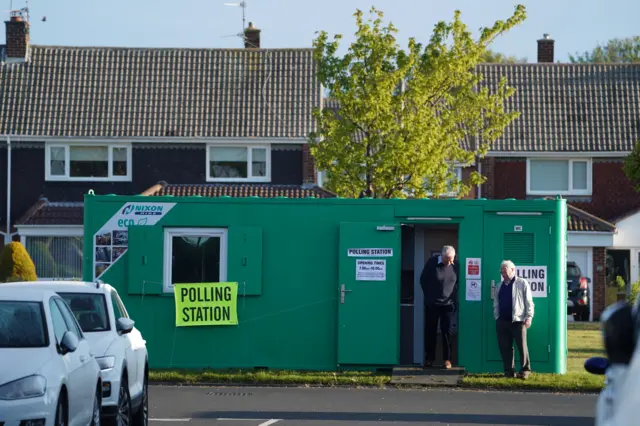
(439, 282)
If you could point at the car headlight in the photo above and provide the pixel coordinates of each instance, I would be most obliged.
(106, 362)
(27, 387)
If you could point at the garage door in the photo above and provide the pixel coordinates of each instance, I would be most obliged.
(581, 257)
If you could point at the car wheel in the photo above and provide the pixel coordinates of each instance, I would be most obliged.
(123, 418)
(61, 418)
(95, 417)
(142, 416)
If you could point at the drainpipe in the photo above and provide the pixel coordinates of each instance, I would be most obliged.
(7, 236)
(479, 163)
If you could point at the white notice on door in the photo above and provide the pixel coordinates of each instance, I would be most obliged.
(474, 290)
(537, 277)
(371, 270)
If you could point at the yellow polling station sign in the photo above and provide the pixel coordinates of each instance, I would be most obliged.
(202, 304)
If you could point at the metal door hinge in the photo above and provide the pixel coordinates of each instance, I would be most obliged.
(493, 288)
(549, 230)
(549, 348)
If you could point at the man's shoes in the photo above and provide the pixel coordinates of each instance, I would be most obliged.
(524, 375)
(428, 364)
(447, 364)
(509, 375)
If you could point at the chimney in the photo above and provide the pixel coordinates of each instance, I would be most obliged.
(545, 49)
(17, 36)
(252, 37)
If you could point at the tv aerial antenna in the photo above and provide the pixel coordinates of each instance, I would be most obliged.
(242, 4)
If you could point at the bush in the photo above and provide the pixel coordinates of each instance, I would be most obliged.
(16, 264)
(633, 294)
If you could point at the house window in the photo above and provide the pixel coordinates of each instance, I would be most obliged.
(238, 163)
(194, 255)
(56, 257)
(562, 177)
(90, 162)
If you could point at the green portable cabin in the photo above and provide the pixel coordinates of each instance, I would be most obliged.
(327, 284)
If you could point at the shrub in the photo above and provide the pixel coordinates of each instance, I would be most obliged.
(633, 294)
(16, 264)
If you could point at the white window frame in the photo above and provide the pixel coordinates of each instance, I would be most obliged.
(67, 163)
(70, 231)
(457, 168)
(250, 148)
(169, 233)
(571, 191)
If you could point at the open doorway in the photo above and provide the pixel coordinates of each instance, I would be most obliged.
(419, 243)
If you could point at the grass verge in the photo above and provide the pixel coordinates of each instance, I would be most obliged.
(584, 341)
(271, 377)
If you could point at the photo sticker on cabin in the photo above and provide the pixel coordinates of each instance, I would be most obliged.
(206, 304)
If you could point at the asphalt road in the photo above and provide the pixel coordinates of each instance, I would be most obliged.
(196, 406)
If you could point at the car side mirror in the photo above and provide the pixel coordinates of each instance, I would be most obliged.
(124, 325)
(596, 365)
(69, 342)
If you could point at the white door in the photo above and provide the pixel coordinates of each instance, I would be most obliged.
(583, 257)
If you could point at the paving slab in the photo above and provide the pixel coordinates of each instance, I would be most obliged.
(427, 376)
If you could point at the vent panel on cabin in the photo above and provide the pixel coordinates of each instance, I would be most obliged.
(518, 247)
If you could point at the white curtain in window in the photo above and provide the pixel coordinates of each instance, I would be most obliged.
(579, 175)
(89, 153)
(57, 154)
(228, 154)
(548, 175)
(119, 154)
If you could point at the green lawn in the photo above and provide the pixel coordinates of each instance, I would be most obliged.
(584, 342)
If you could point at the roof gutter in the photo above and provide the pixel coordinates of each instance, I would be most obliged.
(559, 154)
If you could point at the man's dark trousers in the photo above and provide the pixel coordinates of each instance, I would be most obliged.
(433, 313)
(507, 332)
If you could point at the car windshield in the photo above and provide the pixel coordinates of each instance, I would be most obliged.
(573, 271)
(22, 325)
(90, 310)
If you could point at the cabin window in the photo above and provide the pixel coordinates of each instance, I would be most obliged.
(194, 255)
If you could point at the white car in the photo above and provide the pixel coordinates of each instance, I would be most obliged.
(117, 345)
(47, 373)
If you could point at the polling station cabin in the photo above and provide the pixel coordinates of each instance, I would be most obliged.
(323, 284)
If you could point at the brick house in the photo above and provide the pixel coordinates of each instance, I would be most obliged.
(119, 120)
(577, 125)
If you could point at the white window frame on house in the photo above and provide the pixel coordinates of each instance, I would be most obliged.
(26, 231)
(169, 233)
(249, 178)
(457, 168)
(570, 191)
(67, 162)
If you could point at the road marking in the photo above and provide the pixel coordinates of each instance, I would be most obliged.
(170, 420)
(267, 423)
(270, 422)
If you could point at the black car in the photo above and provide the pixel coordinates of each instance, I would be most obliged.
(577, 292)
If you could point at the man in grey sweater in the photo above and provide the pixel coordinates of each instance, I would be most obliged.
(513, 312)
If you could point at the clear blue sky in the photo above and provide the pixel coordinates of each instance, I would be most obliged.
(575, 25)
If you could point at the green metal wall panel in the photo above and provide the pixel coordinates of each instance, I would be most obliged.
(245, 259)
(145, 256)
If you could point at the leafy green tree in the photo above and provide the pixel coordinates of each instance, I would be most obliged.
(491, 57)
(631, 167)
(16, 264)
(403, 114)
(617, 50)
